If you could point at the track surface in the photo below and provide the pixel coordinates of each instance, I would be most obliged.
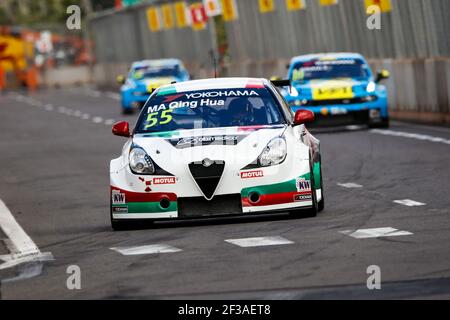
(54, 179)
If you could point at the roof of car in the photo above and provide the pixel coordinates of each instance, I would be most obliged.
(156, 63)
(329, 55)
(213, 83)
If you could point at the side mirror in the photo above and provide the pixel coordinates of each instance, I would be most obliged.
(122, 129)
(120, 79)
(381, 75)
(303, 116)
(288, 66)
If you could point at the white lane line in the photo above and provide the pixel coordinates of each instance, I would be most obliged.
(77, 113)
(93, 93)
(259, 241)
(147, 249)
(49, 107)
(22, 247)
(85, 116)
(409, 203)
(109, 122)
(350, 185)
(113, 95)
(375, 233)
(97, 119)
(423, 137)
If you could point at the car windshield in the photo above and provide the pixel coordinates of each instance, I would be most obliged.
(168, 111)
(154, 72)
(329, 69)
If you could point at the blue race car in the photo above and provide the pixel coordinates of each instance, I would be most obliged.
(146, 76)
(339, 88)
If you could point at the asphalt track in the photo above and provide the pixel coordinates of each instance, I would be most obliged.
(55, 151)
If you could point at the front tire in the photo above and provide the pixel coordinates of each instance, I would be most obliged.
(127, 111)
(383, 124)
(321, 204)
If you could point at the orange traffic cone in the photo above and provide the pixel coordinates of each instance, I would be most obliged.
(2, 79)
(32, 78)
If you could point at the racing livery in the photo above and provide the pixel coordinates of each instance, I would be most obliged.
(339, 88)
(213, 147)
(144, 77)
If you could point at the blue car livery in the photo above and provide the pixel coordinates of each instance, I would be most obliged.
(339, 88)
(146, 76)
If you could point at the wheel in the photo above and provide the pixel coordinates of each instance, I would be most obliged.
(119, 225)
(311, 212)
(383, 124)
(321, 204)
(127, 111)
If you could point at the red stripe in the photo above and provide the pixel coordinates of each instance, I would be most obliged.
(271, 199)
(146, 197)
(254, 84)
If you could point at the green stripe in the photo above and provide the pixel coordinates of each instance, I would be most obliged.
(147, 207)
(162, 134)
(282, 187)
(316, 171)
(167, 90)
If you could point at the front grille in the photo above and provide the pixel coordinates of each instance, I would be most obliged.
(314, 103)
(199, 206)
(351, 118)
(207, 177)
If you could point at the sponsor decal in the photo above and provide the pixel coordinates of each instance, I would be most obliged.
(302, 197)
(252, 174)
(166, 180)
(206, 140)
(120, 209)
(147, 183)
(117, 197)
(228, 93)
(303, 184)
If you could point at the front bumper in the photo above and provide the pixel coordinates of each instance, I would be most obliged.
(285, 196)
(134, 99)
(336, 115)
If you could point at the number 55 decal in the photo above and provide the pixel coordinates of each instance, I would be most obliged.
(164, 118)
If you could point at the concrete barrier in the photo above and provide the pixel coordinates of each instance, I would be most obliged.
(66, 76)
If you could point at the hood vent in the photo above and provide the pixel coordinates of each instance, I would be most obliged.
(207, 175)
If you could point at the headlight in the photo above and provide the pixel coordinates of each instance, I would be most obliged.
(371, 87)
(293, 92)
(140, 161)
(274, 153)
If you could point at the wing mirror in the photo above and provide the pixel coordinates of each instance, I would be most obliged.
(381, 75)
(120, 79)
(303, 116)
(122, 129)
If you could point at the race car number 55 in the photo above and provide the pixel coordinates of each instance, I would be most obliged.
(153, 119)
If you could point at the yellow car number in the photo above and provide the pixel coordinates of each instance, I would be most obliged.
(155, 118)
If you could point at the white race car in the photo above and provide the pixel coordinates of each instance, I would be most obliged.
(214, 147)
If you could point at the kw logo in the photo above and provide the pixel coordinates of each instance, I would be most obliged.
(303, 185)
(118, 198)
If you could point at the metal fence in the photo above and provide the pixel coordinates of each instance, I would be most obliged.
(414, 43)
(414, 29)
